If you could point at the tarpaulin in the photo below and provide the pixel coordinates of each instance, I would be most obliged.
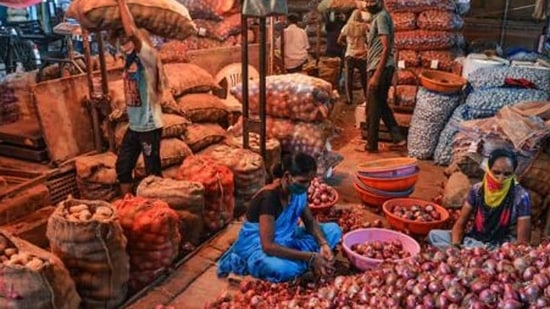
(19, 4)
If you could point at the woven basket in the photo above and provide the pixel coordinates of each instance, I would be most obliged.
(442, 82)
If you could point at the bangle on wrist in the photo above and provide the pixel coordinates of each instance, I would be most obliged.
(311, 259)
(457, 245)
(322, 243)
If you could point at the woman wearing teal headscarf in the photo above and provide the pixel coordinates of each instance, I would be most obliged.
(271, 244)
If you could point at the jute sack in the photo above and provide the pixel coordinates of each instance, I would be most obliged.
(456, 190)
(188, 78)
(537, 175)
(166, 18)
(36, 278)
(329, 69)
(178, 194)
(272, 147)
(88, 238)
(247, 166)
(172, 152)
(97, 168)
(174, 126)
(203, 107)
(201, 135)
(170, 172)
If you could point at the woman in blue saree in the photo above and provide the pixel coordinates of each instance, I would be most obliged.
(271, 244)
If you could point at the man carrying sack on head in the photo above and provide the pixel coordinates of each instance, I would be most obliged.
(380, 67)
(144, 82)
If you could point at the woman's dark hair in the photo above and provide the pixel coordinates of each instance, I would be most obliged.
(297, 164)
(293, 18)
(503, 153)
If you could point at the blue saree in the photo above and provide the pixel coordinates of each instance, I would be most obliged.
(246, 256)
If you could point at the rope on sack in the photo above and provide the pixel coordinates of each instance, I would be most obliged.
(109, 261)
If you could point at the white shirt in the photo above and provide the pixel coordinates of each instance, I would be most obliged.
(296, 46)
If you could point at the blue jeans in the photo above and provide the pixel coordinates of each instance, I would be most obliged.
(441, 239)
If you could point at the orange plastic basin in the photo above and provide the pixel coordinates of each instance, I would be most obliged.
(391, 184)
(418, 228)
(370, 198)
(386, 165)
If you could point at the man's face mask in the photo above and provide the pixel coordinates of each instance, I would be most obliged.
(297, 188)
(372, 9)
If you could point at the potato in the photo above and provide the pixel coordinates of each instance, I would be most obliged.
(10, 251)
(104, 211)
(3, 243)
(78, 208)
(85, 215)
(35, 264)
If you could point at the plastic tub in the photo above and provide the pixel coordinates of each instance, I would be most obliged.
(398, 172)
(371, 198)
(387, 165)
(418, 228)
(442, 82)
(372, 234)
(391, 184)
(397, 194)
(327, 206)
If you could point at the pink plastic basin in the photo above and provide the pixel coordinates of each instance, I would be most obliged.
(372, 234)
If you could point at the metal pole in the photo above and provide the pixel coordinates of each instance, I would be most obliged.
(244, 77)
(263, 69)
(105, 88)
(91, 100)
(504, 22)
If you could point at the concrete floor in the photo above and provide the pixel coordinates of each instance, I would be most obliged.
(194, 283)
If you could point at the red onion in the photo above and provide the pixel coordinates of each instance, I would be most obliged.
(547, 291)
(529, 293)
(429, 301)
(419, 289)
(411, 301)
(488, 297)
(439, 256)
(449, 280)
(435, 286)
(490, 266)
(427, 266)
(410, 284)
(521, 264)
(479, 284)
(510, 304)
(444, 269)
(504, 266)
(529, 272)
(497, 287)
(541, 280)
(475, 262)
(442, 301)
(510, 292)
(391, 278)
(542, 302)
(456, 293)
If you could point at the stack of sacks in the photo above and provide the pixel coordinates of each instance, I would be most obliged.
(427, 36)
(489, 96)
(297, 108)
(315, 29)
(218, 25)
(16, 97)
(96, 177)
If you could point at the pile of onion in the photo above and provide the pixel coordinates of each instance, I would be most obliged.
(514, 276)
(418, 213)
(349, 219)
(381, 250)
(319, 193)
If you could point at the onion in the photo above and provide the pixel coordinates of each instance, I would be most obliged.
(411, 301)
(510, 304)
(410, 284)
(391, 278)
(488, 297)
(479, 285)
(435, 286)
(419, 289)
(497, 288)
(521, 264)
(442, 301)
(529, 293)
(429, 301)
(444, 269)
(455, 293)
(528, 273)
(541, 280)
(542, 302)
(547, 291)
(427, 266)
(510, 292)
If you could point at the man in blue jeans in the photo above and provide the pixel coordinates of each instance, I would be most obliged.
(144, 83)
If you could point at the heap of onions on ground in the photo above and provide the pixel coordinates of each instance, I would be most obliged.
(381, 250)
(514, 276)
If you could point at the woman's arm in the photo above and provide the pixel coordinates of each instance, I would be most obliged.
(312, 227)
(524, 230)
(457, 233)
(267, 230)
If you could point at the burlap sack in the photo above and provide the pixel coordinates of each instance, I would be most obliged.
(170, 172)
(537, 175)
(20, 84)
(203, 107)
(98, 168)
(329, 69)
(209, 9)
(173, 51)
(118, 102)
(172, 152)
(178, 194)
(93, 250)
(247, 167)
(456, 190)
(166, 18)
(537, 207)
(201, 135)
(272, 148)
(97, 191)
(41, 282)
(174, 126)
(186, 78)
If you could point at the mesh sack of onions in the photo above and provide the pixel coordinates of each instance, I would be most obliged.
(88, 238)
(208, 9)
(429, 117)
(403, 95)
(219, 187)
(512, 276)
(443, 151)
(418, 6)
(409, 57)
(483, 103)
(425, 40)
(298, 136)
(439, 20)
(404, 21)
(33, 277)
(247, 166)
(220, 30)
(272, 147)
(443, 60)
(494, 76)
(292, 96)
(152, 229)
(408, 76)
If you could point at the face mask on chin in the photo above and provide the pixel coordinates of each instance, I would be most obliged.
(297, 188)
